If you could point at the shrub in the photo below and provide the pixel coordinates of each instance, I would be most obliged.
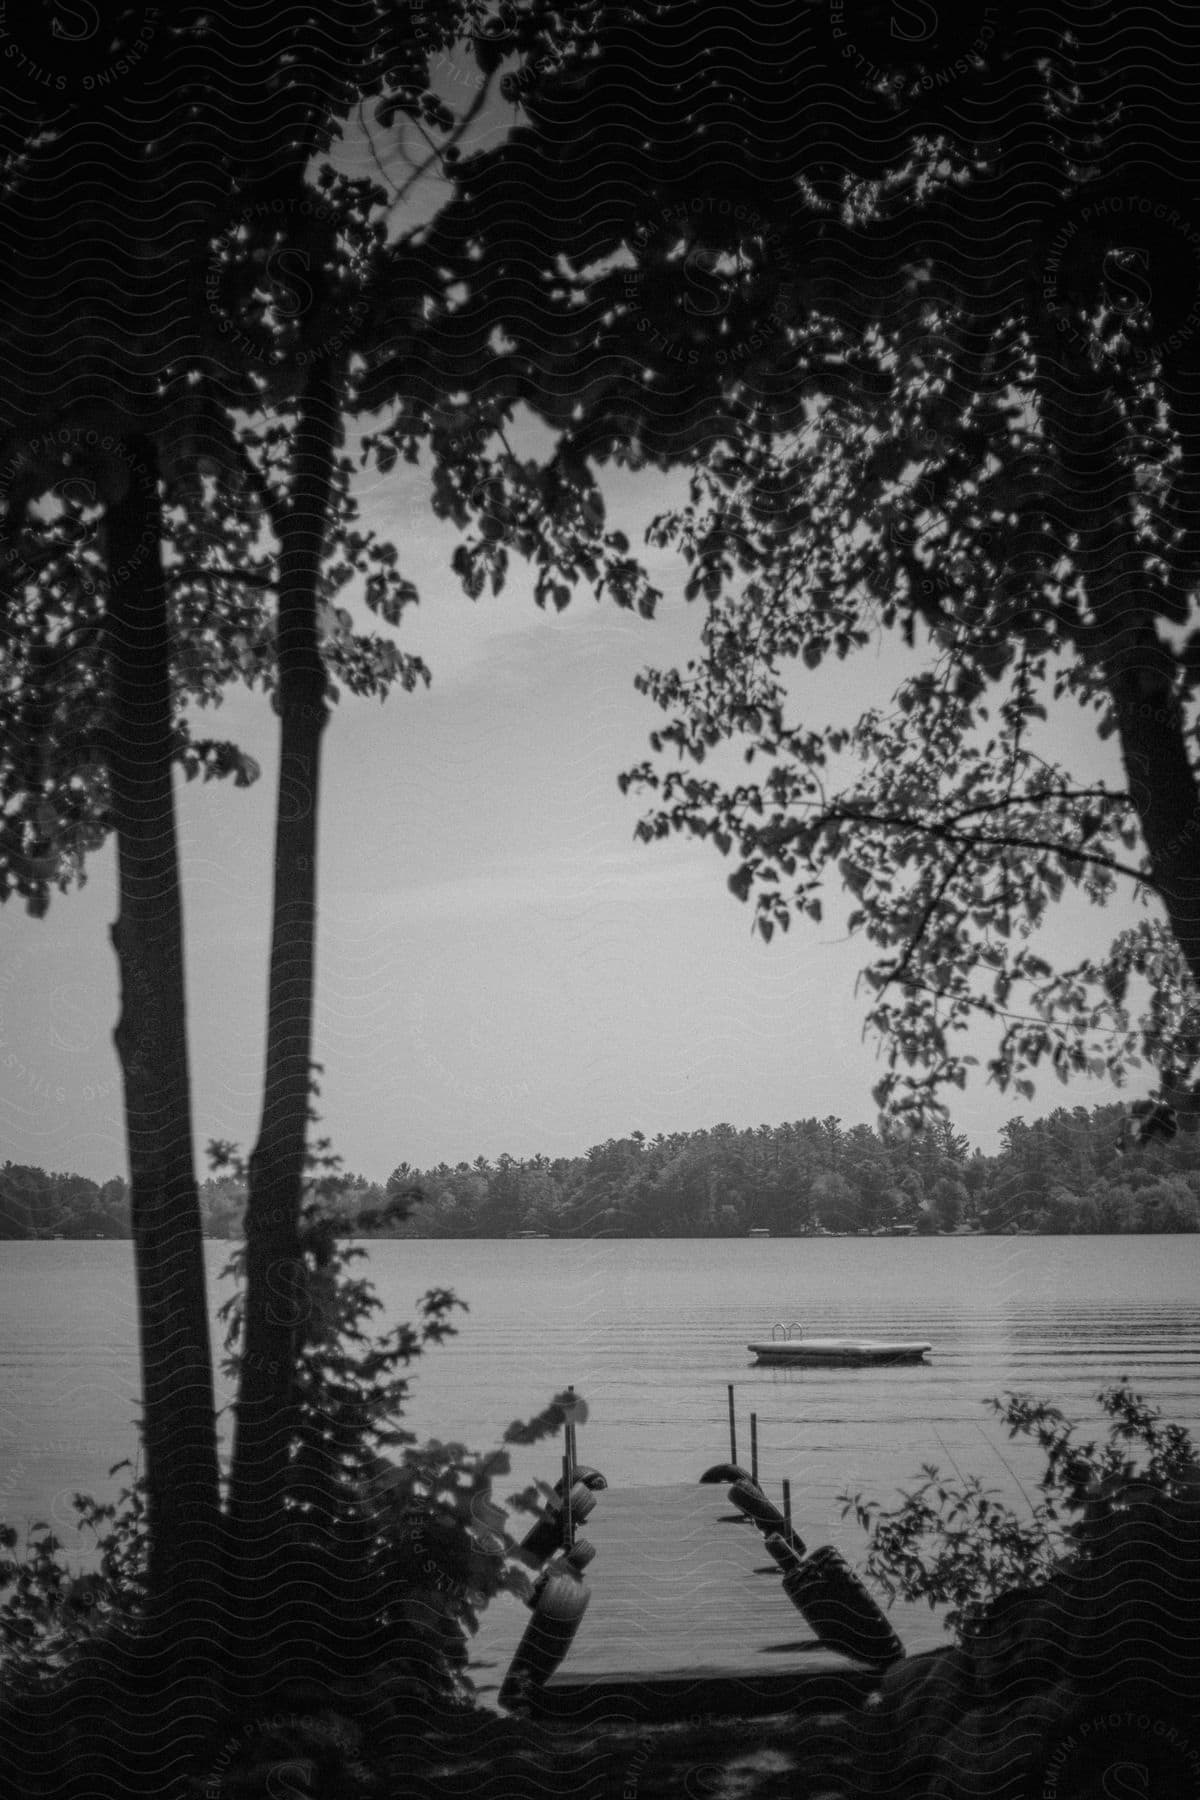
(392, 1550)
(954, 1543)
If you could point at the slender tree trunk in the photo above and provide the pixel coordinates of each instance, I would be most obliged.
(179, 1427)
(1138, 665)
(275, 1294)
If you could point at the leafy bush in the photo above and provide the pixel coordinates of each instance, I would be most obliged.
(953, 1543)
(390, 1557)
(51, 1611)
(393, 1547)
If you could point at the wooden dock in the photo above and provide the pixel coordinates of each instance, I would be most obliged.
(688, 1619)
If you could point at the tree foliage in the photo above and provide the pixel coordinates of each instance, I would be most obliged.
(1068, 1173)
(392, 1548)
(932, 363)
(944, 813)
(953, 1543)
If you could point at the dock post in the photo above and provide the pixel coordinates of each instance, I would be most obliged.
(569, 1434)
(732, 1428)
(754, 1446)
(568, 1474)
(787, 1503)
(569, 1429)
(568, 1511)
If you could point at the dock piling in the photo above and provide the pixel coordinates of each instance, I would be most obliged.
(754, 1446)
(568, 1474)
(732, 1428)
(568, 1511)
(787, 1503)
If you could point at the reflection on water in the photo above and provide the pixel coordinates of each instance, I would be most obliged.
(651, 1333)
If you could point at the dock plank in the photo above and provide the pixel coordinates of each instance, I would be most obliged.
(687, 1616)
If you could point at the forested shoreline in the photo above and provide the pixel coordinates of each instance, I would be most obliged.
(1074, 1171)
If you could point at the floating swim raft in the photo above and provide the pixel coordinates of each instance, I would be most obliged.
(788, 1345)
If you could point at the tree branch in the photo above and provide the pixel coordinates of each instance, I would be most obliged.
(981, 806)
(934, 902)
(272, 504)
(437, 153)
(247, 577)
(905, 822)
(990, 1008)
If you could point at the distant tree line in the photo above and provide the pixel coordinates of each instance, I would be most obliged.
(34, 1204)
(1074, 1171)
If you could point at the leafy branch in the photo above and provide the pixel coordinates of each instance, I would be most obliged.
(953, 1543)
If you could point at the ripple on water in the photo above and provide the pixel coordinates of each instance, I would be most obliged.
(652, 1332)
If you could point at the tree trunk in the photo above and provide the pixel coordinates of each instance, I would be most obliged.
(1138, 665)
(275, 1295)
(179, 1426)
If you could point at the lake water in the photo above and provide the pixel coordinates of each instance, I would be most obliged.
(651, 1333)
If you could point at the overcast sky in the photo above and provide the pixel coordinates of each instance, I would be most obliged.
(501, 966)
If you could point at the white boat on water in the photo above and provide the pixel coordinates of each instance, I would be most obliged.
(789, 1345)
